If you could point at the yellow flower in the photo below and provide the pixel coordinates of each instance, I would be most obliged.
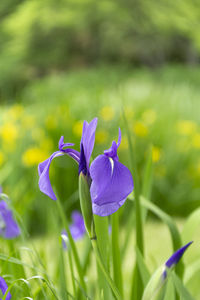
(140, 129)
(33, 156)
(1, 158)
(186, 127)
(124, 143)
(9, 134)
(156, 154)
(107, 113)
(77, 128)
(196, 141)
(51, 121)
(149, 116)
(101, 136)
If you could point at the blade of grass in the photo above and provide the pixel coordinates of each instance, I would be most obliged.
(116, 255)
(191, 225)
(147, 181)
(137, 287)
(62, 274)
(72, 244)
(145, 275)
(174, 232)
(180, 288)
(101, 228)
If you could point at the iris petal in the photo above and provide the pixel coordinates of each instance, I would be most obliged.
(111, 184)
(11, 229)
(88, 138)
(4, 287)
(44, 181)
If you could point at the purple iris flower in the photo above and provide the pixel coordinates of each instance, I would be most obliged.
(77, 227)
(3, 288)
(8, 227)
(174, 259)
(110, 181)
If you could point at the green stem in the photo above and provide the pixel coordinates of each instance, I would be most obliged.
(104, 271)
(116, 256)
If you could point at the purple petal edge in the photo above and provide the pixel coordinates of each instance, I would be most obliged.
(174, 259)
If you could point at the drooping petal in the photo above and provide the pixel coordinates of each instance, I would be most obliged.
(111, 184)
(4, 287)
(71, 152)
(88, 138)
(61, 144)
(44, 181)
(8, 227)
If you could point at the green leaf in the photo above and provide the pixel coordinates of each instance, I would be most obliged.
(191, 225)
(116, 255)
(144, 272)
(101, 228)
(180, 288)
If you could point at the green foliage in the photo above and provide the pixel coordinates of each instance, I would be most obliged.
(41, 37)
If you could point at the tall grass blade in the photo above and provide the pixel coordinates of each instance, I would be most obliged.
(101, 228)
(116, 255)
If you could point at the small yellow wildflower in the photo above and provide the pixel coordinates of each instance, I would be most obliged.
(1, 158)
(107, 113)
(156, 154)
(149, 116)
(196, 141)
(33, 156)
(9, 133)
(77, 128)
(140, 129)
(186, 127)
(101, 136)
(124, 143)
(51, 121)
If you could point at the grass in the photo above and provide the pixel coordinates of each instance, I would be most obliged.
(158, 250)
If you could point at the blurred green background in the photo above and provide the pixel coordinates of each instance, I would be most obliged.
(65, 61)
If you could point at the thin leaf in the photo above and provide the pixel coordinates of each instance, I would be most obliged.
(116, 256)
(180, 288)
(191, 225)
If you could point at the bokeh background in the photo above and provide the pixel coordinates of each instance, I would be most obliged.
(68, 60)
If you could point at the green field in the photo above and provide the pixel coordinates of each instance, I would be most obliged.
(162, 108)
